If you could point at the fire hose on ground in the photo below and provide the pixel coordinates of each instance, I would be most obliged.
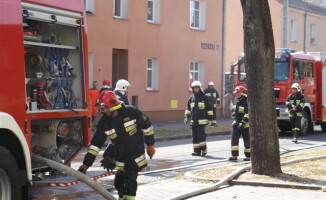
(82, 177)
(229, 177)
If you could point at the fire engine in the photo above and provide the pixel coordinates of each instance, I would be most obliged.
(43, 90)
(307, 69)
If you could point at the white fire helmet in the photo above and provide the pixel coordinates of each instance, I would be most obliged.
(196, 84)
(296, 86)
(122, 85)
(211, 83)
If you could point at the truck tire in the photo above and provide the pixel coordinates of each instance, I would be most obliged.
(10, 183)
(305, 121)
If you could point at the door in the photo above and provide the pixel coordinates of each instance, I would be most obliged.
(119, 65)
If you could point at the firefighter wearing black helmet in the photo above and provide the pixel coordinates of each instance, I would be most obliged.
(199, 112)
(128, 129)
(294, 103)
(240, 125)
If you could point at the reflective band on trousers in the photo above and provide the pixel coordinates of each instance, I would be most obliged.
(234, 148)
(119, 166)
(247, 151)
(141, 160)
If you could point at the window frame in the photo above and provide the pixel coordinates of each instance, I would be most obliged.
(200, 72)
(294, 30)
(201, 14)
(89, 6)
(154, 69)
(123, 8)
(313, 34)
(156, 6)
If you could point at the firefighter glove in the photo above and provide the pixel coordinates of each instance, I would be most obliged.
(108, 163)
(234, 124)
(241, 126)
(150, 151)
(83, 169)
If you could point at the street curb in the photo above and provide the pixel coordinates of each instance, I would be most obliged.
(178, 137)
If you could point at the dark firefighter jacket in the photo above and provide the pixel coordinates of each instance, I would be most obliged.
(128, 132)
(213, 96)
(297, 100)
(199, 110)
(121, 97)
(241, 111)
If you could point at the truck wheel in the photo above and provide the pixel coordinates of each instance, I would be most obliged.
(323, 127)
(304, 123)
(10, 183)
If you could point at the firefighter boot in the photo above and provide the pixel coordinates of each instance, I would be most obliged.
(246, 159)
(204, 152)
(195, 154)
(295, 137)
(233, 158)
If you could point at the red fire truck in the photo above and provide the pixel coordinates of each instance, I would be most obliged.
(43, 90)
(307, 69)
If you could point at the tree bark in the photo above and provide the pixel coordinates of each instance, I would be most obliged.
(259, 62)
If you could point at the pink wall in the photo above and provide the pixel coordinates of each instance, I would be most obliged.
(171, 41)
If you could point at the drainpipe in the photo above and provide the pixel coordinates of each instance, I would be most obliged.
(305, 27)
(223, 58)
(285, 23)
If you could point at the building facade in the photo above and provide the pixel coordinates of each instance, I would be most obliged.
(305, 27)
(159, 46)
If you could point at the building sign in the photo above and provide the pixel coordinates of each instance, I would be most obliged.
(208, 46)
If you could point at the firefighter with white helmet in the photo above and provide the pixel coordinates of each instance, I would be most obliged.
(200, 114)
(240, 125)
(121, 90)
(213, 98)
(294, 103)
(128, 129)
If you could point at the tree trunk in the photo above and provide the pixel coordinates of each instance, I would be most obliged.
(259, 62)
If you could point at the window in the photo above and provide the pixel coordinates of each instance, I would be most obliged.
(89, 6)
(313, 34)
(310, 72)
(120, 9)
(298, 70)
(152, 74)
(197, 14)
(153, 11)
(294, 31)
(196, 72)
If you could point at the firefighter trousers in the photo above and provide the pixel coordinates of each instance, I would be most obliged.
(295, 124)
(198, 138)
(126, 183)
(235, 136)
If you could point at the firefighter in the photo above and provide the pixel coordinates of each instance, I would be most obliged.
(213, 98)
(199, 112)
(106, 85)
(240, 125)
(294, 103)
(128, 128)
(93, 93)
(121, 90)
